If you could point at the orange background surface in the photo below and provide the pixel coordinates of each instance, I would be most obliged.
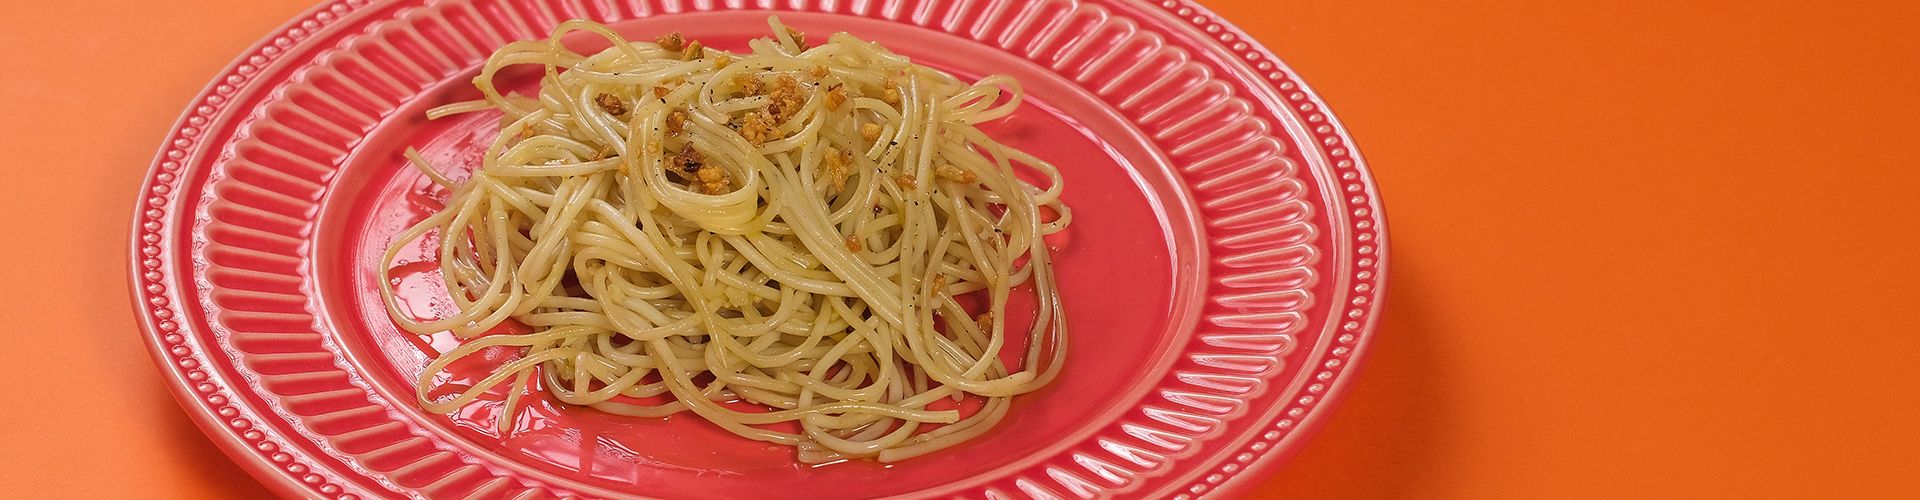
(1639, 249)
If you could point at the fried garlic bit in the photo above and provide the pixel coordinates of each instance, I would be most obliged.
(686, 162)
(672, 41)
(904, 181)
(712, 180)
(757, 128)
(704, 178)
(853, 243)
(839, 165)
(836, 94)
(870, 131)
(890, 92)
(799, 38)
(949, 172)
(984, 321)
(749, 85)
(786, 98)
(661, 92)
(818, 71)
(722, 60)
(610, 104)
(676, 123)
(693, 52)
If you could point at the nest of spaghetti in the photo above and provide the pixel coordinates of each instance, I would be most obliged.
(808, 243)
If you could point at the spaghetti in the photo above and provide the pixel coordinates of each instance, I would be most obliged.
(785, 242)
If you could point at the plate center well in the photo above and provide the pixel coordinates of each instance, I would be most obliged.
(1127, 271)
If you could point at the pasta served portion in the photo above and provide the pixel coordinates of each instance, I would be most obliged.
(808, 244)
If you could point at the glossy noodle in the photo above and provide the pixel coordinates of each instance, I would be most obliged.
(809, 245)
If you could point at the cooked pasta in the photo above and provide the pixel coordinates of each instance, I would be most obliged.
(804, 244)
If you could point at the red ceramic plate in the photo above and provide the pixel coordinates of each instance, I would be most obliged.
(1222, 275)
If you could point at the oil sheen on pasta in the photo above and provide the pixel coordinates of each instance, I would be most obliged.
(771, 240)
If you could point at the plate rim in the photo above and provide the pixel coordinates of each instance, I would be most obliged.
(155, 211)
(282, 483)
(1369, 321)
